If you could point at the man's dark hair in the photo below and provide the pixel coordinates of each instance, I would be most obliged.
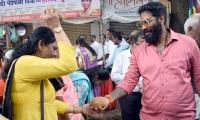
(104, 36)
(157, 9)
(82, 36)
(93, 36)
(117, 35)
(134, 38)
(111, 30)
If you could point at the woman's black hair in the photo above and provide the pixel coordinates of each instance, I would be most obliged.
(30, 47)
(101, 72)
(44, 34)
(1, 53)
(82, 43)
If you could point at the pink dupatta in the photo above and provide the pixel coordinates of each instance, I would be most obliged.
(69, 95)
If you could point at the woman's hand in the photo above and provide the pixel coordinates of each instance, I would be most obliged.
(91, 112)
(52, 17)
(59, 98)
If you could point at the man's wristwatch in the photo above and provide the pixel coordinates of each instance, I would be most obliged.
(57, 29)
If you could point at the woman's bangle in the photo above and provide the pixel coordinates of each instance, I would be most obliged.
(81, 109)
(57, 29)
(73, 109)
(77, 109)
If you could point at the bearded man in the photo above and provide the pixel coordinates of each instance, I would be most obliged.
(167, 61)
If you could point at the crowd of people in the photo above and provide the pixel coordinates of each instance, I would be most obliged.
(154, 74)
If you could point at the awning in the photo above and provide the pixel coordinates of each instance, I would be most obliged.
(123, 11)
(118, 18)
(80, 21)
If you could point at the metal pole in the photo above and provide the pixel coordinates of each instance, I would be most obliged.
(102, 41)
(101, 31)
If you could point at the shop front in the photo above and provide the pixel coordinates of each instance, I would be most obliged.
(78, 16)
(121, 15)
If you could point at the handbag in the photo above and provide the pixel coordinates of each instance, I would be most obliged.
(57, 83)
(7, 103)
(42, 99)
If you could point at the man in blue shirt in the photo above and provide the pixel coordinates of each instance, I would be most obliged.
(121, 46)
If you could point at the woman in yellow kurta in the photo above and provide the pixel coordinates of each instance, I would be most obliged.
(39, 59)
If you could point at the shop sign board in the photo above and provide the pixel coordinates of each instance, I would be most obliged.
(31, 10)
(126, 8)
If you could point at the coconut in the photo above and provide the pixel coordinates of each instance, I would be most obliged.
(98, 101)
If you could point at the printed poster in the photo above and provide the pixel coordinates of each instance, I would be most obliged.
(126, 8)
(31, 10)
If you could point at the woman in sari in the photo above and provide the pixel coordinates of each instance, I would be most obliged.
(87, 57)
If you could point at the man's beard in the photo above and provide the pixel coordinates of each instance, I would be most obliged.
(152, 35)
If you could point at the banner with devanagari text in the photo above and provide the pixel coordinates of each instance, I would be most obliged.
(31, 10)
(124, 7)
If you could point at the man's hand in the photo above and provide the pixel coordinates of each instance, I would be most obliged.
(99, 103)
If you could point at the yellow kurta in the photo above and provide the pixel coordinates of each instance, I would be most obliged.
(29, 71)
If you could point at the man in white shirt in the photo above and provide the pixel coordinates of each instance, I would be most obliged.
(110, 44)
(131, 104)
(121, 46)
(192, 29)
(102, 51)
(95, 43)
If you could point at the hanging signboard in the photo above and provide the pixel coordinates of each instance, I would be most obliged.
(31, 10)
(125, 7)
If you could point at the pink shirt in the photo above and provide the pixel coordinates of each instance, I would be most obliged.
(168, 93)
